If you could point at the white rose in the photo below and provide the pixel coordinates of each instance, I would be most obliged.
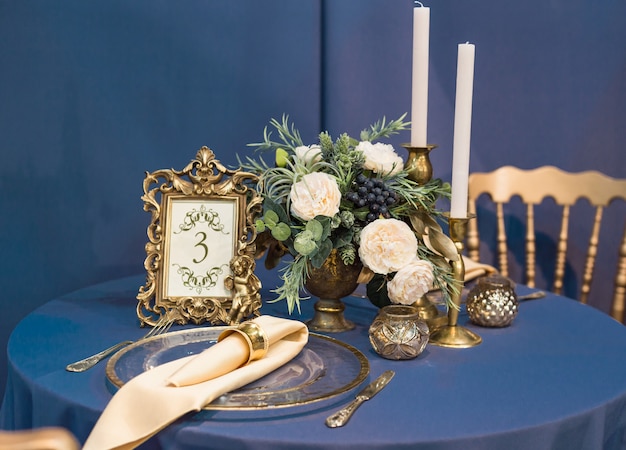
(387, 245)
(316, 194)
(411, 282)
(381, 158)
(309, 153)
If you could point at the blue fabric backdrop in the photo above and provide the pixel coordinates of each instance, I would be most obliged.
(93, 94)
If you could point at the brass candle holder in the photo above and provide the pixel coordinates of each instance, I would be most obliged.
(418, 162)
(453, 335)
(420, 170)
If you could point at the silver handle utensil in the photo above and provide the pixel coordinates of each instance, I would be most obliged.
(341, 417)
(162, 326)
(88, 363)
(532, 296)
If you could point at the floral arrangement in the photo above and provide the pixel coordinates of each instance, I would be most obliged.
(357, 197)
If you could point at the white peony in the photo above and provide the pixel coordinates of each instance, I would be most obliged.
(309, 153)
(381, 158)
(387, 245)
(316, 194)
(411, 282)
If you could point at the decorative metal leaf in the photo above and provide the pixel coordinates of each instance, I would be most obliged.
(430, 221)
(440, 262)
(418, 224)
(441, 244)
(422, 222)
(366, 275)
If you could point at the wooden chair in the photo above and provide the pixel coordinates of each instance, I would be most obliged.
(533, 186)
(47, 438)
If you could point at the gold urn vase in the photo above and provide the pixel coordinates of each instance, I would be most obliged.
(330, 283)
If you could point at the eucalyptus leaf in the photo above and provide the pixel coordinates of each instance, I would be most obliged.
(271, 205)
(304, 243)
(281, 232)
(271, 218)
(316, 229)
(260, 226)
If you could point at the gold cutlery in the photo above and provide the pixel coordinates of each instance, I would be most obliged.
(341, 417)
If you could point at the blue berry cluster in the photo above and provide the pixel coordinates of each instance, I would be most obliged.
(373, 194)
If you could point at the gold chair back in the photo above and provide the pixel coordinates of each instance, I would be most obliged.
(533, 186)
(47, 438)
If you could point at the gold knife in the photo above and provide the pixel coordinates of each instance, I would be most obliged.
(341, 417)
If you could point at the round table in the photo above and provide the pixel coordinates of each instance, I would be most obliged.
(554, 379)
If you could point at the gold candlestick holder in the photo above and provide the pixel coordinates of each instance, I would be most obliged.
(418, 162)
(420, 170)
(452, 334)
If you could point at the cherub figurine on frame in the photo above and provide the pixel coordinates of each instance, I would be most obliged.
(246, 286)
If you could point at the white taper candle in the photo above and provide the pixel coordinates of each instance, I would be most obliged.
(462, 130)
(419, 97)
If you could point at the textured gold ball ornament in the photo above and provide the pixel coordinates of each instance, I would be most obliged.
(492, 302)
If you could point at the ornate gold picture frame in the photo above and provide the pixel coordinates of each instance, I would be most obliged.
(201, 244)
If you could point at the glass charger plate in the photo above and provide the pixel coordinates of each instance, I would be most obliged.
(324, 369)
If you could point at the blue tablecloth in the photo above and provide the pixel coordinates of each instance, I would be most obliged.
(554, 379)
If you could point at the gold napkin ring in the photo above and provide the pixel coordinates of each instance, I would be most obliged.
(254, 336)
(258, 339)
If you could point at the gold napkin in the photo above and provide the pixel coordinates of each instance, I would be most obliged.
(475, 269)
(152, 400)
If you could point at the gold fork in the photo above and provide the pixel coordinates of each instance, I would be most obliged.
(162, 326)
